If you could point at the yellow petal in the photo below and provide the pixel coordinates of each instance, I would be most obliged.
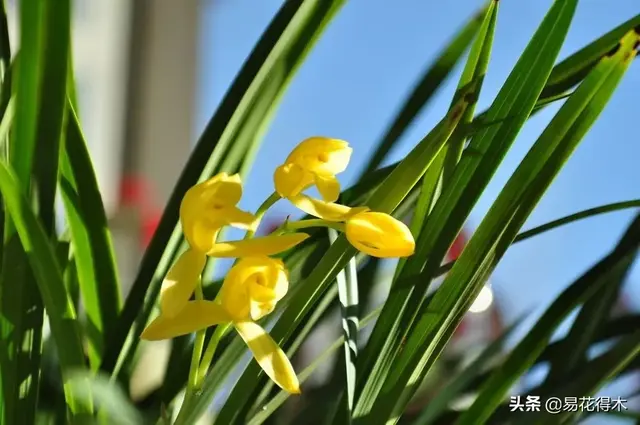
(269, 356)
(222, 189)
(195, 315)
(217, 192)
(266, 245)
(328, 186)
(266, 292)
(379, 235)
(326, 210)
(233, 216)
(321, 155)
(274, 286)
(180, 282)
(210, 205)
(200, 232)
(291, 179)
(259, 279)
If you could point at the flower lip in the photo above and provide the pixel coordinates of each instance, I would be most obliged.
(253, 286)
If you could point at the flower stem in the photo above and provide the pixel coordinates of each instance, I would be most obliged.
(262, 209)
(314, 222)
(207, 358)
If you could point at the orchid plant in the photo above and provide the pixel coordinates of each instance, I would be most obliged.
(71, 343)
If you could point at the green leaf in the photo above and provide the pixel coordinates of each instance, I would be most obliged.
(527, 350)
(591, 212)
(573, 69)
(440, 172)
(238, 123)
(589, 378)
(39, 110)
(592, 315)
(616, 206)
(521, 193)
(347, 281)
(472, 76)
(26, 89)
(422, 93)
(51, 108)
(458, 384)
(41, 255)
(479, 162)
(570, 71)
(613, 329)
(99, 390)
(91, 240)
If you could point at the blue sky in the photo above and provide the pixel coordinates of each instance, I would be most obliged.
(361, 70)
(358, 75)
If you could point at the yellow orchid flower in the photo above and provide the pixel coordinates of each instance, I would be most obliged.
(315, 160)
(374, 233)
(379, 235)
(182, 278)
(210, 205)
(250, 290)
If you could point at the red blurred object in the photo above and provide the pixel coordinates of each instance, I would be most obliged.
(457, 246)
(131, 191)
(136, 193)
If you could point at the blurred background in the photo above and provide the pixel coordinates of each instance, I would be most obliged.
(150, 73)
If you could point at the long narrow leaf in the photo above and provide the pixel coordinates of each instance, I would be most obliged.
(539, 167)
(592, 315)
(570, 71)
(473, 74)
(62, 316)
(22, 310)
(347, 282)
(573, 69)
(90, 238)
(455, 387)
(591, 377)
(439, 174)
(51, 107)
(516, 99)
